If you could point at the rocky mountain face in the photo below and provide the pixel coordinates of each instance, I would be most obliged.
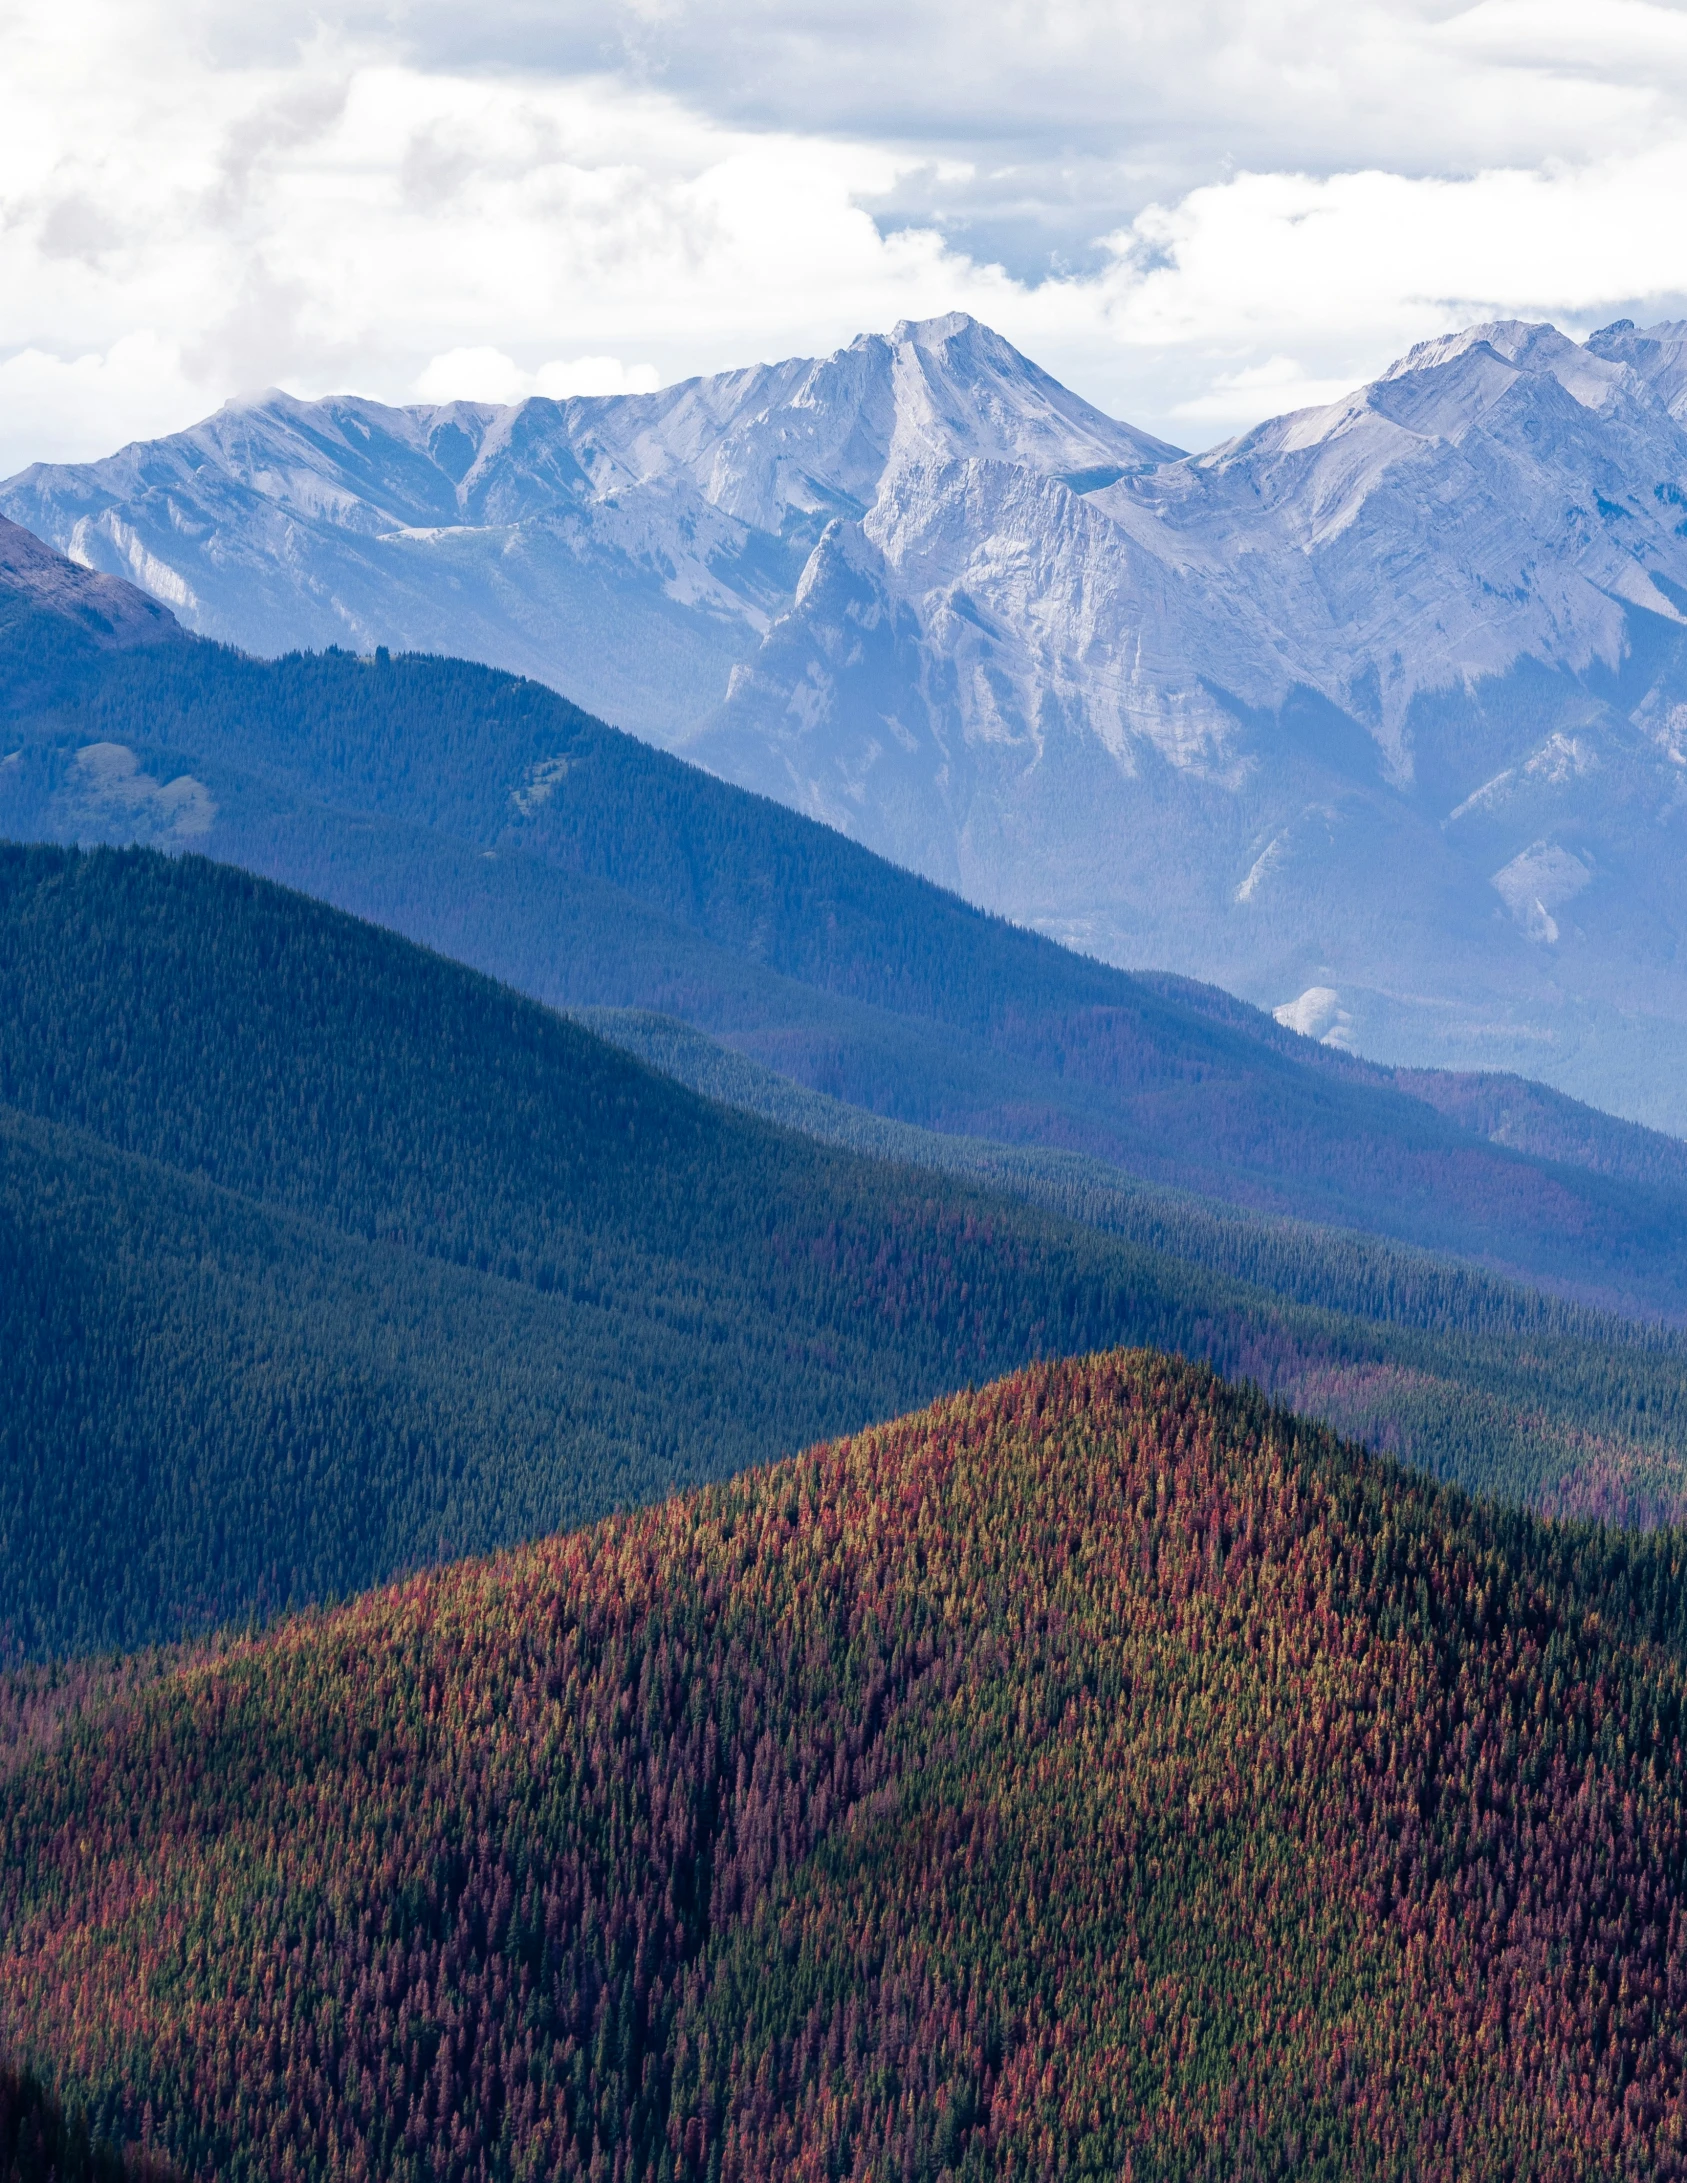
(1377, 715)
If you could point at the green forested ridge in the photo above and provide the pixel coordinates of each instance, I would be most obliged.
(214, 1407)
(1339, 1270)
(1098, 1775)
(489, 818)
(324, 1257)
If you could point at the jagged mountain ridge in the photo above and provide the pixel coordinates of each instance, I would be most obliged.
(1425, 474)
(281, 522)
(1381, 708)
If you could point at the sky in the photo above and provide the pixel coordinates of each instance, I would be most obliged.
(1198, 213)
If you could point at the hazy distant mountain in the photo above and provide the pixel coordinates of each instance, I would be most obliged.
(1377, 714)
(490, 819)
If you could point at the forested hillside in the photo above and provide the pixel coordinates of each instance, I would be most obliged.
(490, 819)
(1338, 1269)
(325, 1258)
(322, 1258)
(1098, 1775)
(59, 622)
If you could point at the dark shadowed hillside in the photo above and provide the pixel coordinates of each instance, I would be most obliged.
(40, 2143)
(1099, 1775)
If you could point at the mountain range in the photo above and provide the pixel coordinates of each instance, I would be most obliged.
(487, 818)
(435, 1122)
(1373, 716)
(324, 1255)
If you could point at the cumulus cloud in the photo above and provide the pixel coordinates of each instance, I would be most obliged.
(488, 375)
(48, 402)
(1198, 213)
(1280, 384)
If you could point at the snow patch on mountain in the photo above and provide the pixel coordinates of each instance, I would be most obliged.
(1537, 881)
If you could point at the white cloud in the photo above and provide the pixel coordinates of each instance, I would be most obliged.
(1197, 214)
(1275, 250)
(473, 375)
(133, 390)
(488, 375)
(1272, 388)
(594, 375)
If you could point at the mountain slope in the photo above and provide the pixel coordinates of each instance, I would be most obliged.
(1097, 1775)
(1341, 1269)
(41, 592)
(1380, 701)
(57, 617)
(494, 821)
(215, 1409)
(322, 1258)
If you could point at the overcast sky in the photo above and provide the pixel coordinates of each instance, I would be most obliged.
(1197, 212)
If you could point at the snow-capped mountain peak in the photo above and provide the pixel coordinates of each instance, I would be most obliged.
(1500, 494)
(1524, 345)
(963, 392)
(818, 435)
(1298, 713)
(1656, 354)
